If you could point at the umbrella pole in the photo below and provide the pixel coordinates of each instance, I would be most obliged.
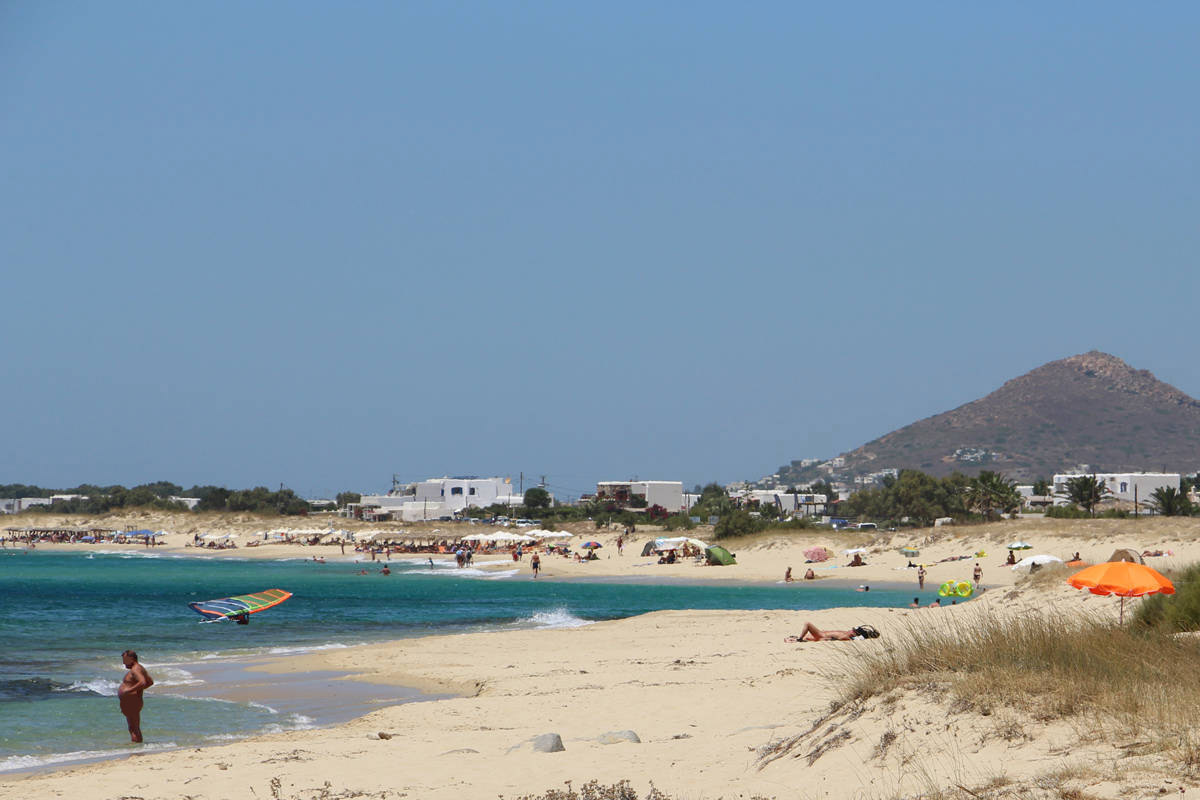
(1122, 618)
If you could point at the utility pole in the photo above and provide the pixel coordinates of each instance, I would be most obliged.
(522, 484)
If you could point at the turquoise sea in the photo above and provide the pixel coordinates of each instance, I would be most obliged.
(65, 618)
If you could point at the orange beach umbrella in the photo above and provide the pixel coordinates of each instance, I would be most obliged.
(1122, 578)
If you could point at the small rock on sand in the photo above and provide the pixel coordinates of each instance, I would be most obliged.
(545, 743)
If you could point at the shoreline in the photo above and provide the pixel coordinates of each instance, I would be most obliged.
(705, 691)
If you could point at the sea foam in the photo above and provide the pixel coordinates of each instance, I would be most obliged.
(100, 686)
(13, 763)
(555, 618)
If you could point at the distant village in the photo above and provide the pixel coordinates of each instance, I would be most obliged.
(447, 497)
(452, 498)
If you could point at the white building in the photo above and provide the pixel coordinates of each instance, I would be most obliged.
(668, 494)
(439, 497)
(1122, 486)
(16, 505)
(1031, 501)
(803, 503)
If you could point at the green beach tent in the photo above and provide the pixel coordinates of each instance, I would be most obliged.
(719, 556)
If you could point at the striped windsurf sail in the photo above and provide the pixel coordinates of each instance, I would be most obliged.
(240, 604)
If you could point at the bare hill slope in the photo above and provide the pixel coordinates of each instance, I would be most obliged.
(1091, 409)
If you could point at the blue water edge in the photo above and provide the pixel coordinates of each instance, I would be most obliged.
(65, 618)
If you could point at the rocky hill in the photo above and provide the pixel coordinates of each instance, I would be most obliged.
(1091, 409)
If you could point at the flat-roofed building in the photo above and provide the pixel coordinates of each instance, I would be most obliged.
(16, 505)
(439, 497)
(668, 494)
(805, 503)
(1122, 486)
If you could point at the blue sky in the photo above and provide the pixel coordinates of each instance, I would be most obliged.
(320, 244)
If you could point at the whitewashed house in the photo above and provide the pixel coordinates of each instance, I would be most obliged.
(16, 505)
(1122, 486)
(439, 497)
(805, 503)
(668, 494)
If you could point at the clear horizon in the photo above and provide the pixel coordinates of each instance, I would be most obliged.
(321, 245)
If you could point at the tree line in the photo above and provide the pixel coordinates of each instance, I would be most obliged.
(93, 499)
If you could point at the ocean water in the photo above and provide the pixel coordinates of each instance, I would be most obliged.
(65, 618)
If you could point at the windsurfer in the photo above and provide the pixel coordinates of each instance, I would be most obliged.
(129, 693)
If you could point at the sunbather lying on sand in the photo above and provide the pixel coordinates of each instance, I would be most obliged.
(815, 634)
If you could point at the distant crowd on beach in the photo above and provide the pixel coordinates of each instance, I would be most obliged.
(84, 536)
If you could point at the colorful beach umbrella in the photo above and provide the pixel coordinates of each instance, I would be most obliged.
(1122, 578)
(591, 545)
(816, 554)
(909, 551)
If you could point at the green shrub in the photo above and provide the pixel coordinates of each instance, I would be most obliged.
(1177, 612)
(738, 523)
(677, 522)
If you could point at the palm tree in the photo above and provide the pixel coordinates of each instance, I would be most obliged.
(1086, 491)
(991, 492)
(1170, 502)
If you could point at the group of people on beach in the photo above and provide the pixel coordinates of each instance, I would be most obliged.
(809, 575)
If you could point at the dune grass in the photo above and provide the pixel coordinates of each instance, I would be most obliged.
(1120, 682)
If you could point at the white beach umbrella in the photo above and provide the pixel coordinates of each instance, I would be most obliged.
(1020, 546)
(556, 535)
(1039, 560)
(854, 550)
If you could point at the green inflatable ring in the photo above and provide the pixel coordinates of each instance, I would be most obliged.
(947, 589)
(964, 588)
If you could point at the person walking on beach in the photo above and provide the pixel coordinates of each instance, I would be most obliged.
(129, 693)
(978, 574)
(921, 577)
(787, 576)
(535, 564)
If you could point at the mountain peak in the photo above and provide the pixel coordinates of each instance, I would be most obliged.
(1091, 408)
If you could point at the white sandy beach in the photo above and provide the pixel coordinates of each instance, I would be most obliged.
(707, 693)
